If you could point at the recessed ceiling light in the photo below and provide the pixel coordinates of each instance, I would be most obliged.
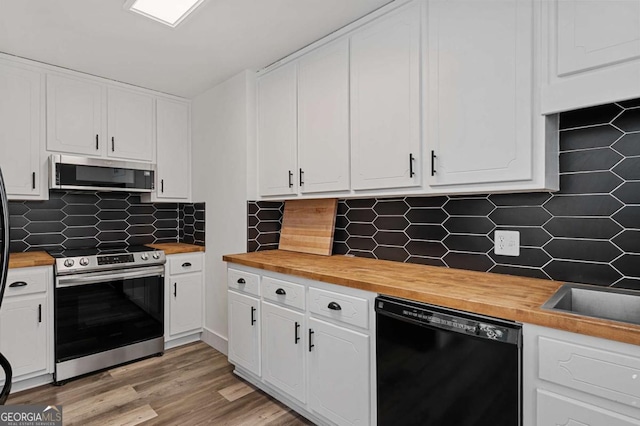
(168, 12)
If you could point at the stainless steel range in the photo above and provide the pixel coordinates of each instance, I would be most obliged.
(108, 308)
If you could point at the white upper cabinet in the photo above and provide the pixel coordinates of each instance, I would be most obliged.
(173, 180)
(594, 52)
(76, 118)
(480, 92)
(130, 125)
(277, 135)
(323, 119)
(86, 118)
(21, 131)
(385, 102)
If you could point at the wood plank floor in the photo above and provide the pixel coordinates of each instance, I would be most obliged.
(189, 385)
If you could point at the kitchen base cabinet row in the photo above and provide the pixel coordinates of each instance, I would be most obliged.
(572, 379)
(26, 316)
(307, 343)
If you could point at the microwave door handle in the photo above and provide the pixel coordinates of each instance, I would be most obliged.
(85, 279)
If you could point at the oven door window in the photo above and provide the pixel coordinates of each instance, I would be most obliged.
(98, 317)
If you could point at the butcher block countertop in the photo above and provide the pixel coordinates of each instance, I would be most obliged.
(30, 258)
(502, 296)
(177, 248)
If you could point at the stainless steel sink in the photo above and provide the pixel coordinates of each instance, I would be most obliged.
(599, 302)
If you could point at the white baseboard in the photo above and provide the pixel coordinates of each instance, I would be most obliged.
(217, 342)
(175, 342)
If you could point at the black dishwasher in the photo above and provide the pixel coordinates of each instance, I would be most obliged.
(440, 367)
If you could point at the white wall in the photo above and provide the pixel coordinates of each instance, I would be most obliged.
(222, 128)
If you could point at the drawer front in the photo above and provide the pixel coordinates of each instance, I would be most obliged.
(26, 281)
(284, 292)
(185, 264)
(243, 281)
(606, 374)
(555, 409)
(347, 309)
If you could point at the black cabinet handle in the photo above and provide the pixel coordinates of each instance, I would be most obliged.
(433, 163)
(301, 177)
(39, 313)
(411, 172)
(334, 306)
(162, 185)
(253, 319)
(186, 264)
(33, 180)
(113, 143)
(281, 291)
(241, 281)
(311, 345)
(18, 284)
(175, 289)
(290, 179)
(97, 143)
(296, 337)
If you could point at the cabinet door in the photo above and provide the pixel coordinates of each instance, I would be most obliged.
(23, 334)
(244, 331)
(283, 363)
(556, 409)
(385, 102)
(277, 132)
(173, 178)
(186, 303)
(20, 129)
(339, 384)
(323, 119)
(130, 125)
(592, 34)
(592, 53)
(75, 116)
(480, 104)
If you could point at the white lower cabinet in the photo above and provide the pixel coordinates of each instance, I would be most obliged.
(26, 323)
(572, 379)
(283, 349)
(244, 331)
(307, 343)
(339, 385)
(184, 297)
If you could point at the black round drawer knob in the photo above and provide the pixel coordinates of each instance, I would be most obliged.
(281, 291)
(241, 281)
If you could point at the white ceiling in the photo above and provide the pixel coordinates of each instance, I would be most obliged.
(222, 38)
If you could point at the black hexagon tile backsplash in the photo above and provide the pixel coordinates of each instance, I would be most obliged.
(587, 232)
(95, 219)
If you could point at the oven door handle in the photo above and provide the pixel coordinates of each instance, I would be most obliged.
(95, 278)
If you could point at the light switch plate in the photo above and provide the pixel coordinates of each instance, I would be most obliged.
(507, 243)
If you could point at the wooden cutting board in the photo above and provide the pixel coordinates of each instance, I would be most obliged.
(308, 226)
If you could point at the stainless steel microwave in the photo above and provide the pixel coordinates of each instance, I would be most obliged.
(83, 173)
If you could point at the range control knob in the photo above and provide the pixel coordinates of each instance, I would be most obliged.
(156, 255)
(84, 261)
(144, 256)
(68, 263)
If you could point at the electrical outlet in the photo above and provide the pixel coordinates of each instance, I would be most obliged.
(507, 243)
